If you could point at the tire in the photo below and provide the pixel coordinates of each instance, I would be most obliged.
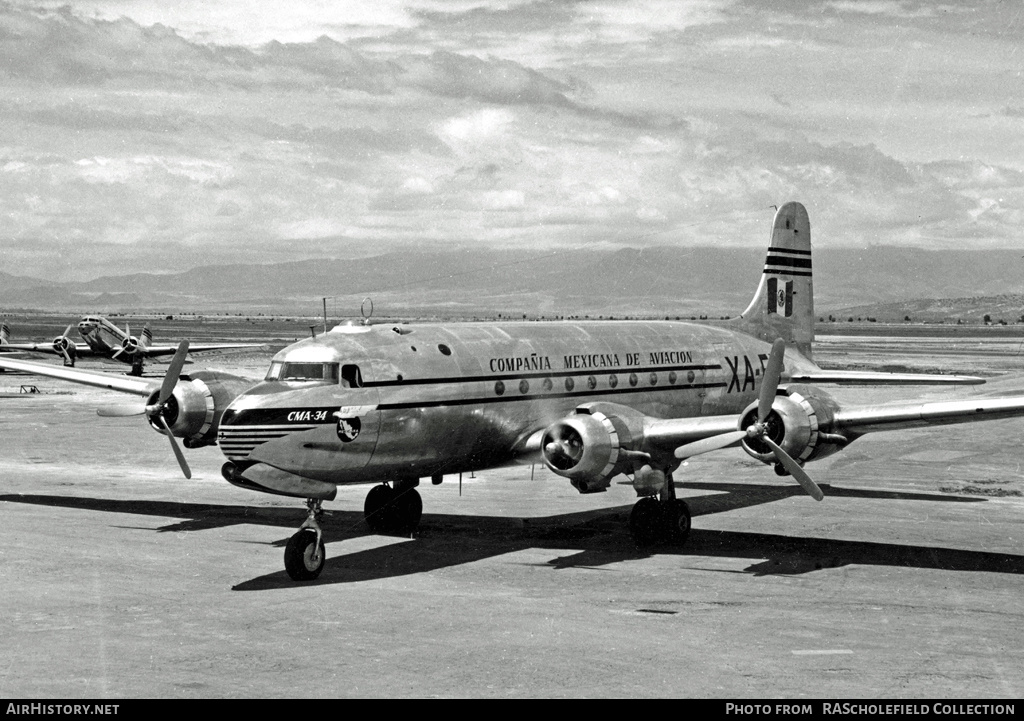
(298, 556)
(645, 524)
(677, 521)
(406, 512)
(376, 510)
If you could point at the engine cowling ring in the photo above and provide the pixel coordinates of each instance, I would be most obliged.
(585, 448)
(189, 411)
(792, 424)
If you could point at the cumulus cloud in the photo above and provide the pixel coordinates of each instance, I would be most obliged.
(504, 122)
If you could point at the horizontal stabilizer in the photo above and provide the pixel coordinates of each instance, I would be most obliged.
(841, 377)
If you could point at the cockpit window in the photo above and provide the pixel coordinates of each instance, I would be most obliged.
(322, 372)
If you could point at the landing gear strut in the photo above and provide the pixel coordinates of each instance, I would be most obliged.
(394, 510)
(654, 521)
(304, 556)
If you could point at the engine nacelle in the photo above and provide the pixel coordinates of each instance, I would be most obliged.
(130, 345)
(63, 346)
(195, 407)
(588, 448)
(796, 424)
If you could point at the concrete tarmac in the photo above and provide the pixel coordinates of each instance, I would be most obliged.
(121, 579)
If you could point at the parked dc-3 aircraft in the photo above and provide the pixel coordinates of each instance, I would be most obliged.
(394, 404)
(103, 339)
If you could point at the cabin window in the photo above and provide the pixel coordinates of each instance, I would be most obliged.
(321, 372)
(351, 377)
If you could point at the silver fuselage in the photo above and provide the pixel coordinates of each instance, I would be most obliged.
(436, 399)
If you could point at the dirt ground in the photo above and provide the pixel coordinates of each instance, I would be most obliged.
(121, 579)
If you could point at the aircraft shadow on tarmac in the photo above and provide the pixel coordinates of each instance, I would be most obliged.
(449, 540)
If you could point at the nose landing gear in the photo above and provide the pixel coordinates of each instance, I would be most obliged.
(304, 556)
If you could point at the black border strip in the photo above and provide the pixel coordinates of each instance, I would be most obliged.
(583, 394)
(788, 262)
(787, 271)
(777, 249)
(541, 374)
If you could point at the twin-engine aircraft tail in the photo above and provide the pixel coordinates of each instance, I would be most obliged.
(5, 334)
(783, 306)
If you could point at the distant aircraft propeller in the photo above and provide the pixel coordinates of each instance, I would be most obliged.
(155, 410)
(63, 345)
(759, 430)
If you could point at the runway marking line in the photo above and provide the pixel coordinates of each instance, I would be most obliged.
(821, 652)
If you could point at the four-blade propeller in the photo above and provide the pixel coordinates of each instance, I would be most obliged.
(759, 429)
(154, 411)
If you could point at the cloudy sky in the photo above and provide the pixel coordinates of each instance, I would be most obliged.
(147, 135)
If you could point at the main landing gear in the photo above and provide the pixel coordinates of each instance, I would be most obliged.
(395, 509)
(665, 520)
(304, 556)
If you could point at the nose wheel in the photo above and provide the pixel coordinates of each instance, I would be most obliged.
(304, 556)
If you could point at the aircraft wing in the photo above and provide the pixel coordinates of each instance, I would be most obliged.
(857, 421)
(81, 349)
(200, 349)
(98, 379)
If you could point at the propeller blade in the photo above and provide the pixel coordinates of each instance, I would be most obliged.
(173, 371)
(794, 468)
(770, 380)
(120, 410)
(118, 352)
(706, 445)
(67, 331)
(174, 447)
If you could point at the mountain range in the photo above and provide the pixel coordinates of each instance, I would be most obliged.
(480, 282)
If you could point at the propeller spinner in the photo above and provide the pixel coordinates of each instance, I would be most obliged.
(154, 411)
(759, 429)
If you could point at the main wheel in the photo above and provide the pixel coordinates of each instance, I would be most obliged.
(376, 510)
(303, 558)
(406, 511)
(677, 521)
(645, 523)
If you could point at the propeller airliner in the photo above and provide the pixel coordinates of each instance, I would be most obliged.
(105, 340)
(391, 405)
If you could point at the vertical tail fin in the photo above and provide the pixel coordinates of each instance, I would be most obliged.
(5, 334)
(147, 338)
(783, 306)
